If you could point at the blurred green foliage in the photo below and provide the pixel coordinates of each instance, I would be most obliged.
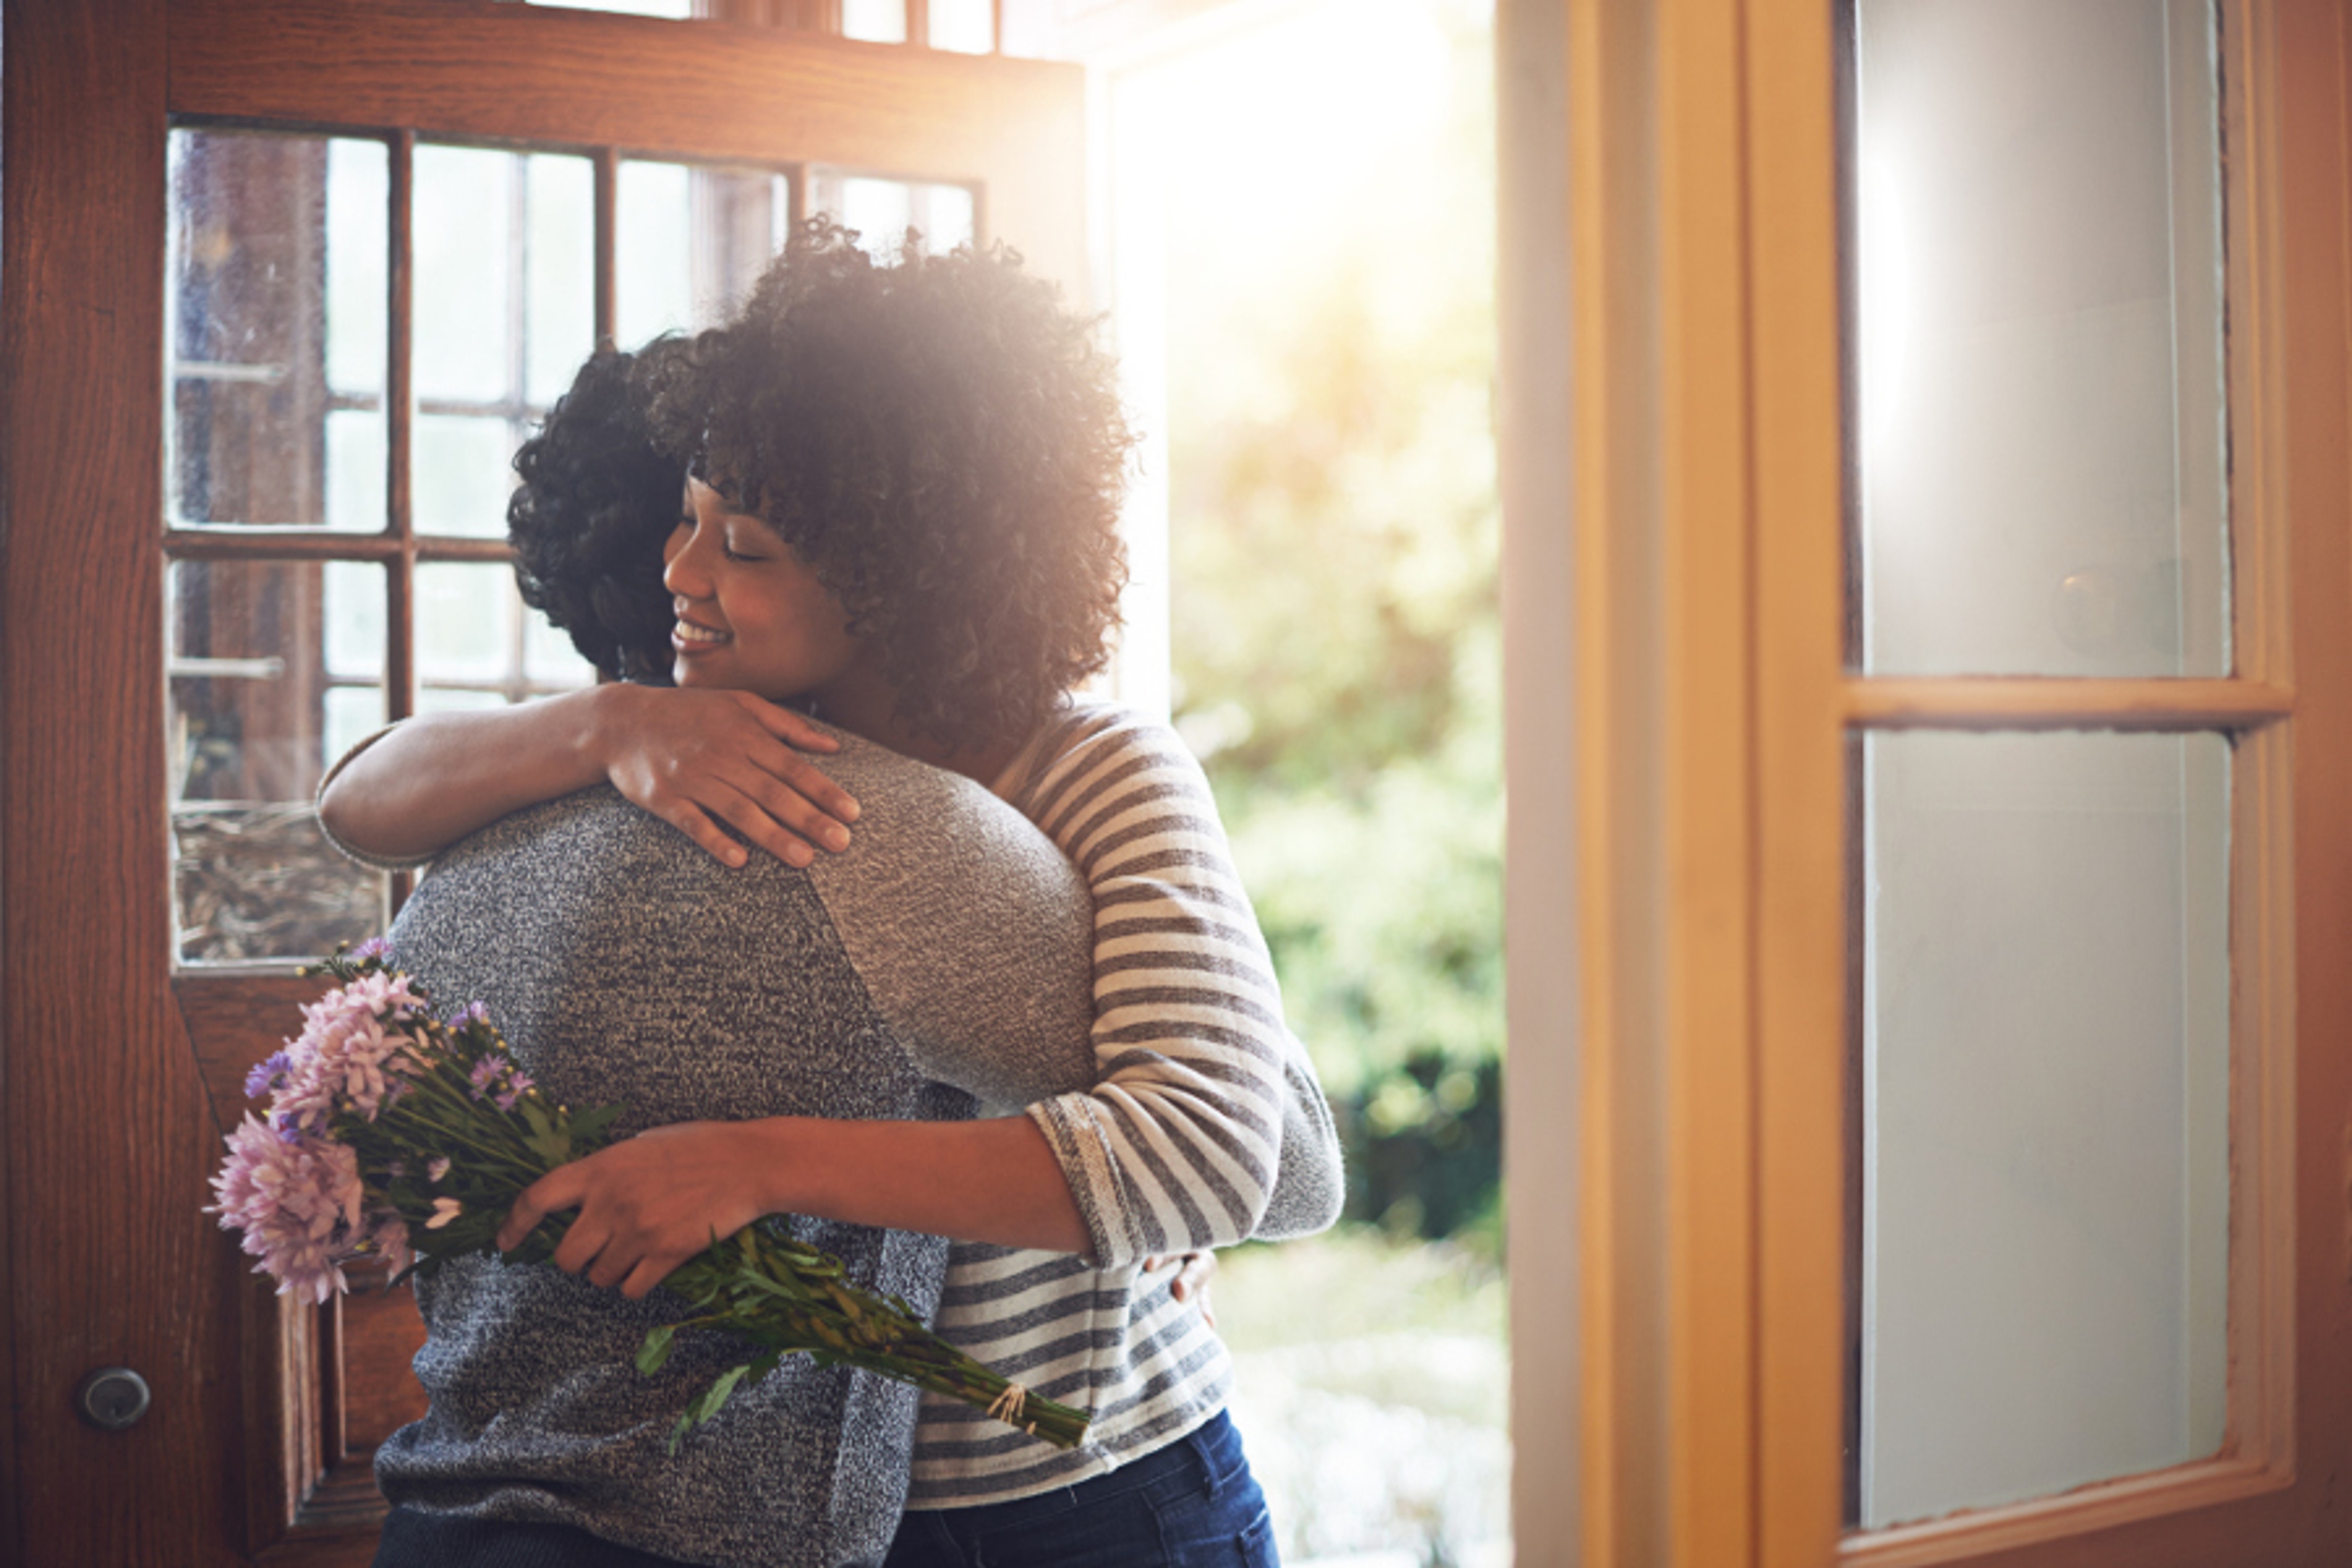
(1334, 536)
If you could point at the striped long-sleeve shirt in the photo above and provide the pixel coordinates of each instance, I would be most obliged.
(1206, 1126)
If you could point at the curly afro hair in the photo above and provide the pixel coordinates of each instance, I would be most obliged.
(942, 443)
(597, 501)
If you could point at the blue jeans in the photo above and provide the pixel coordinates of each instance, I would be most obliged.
(1192, 1504)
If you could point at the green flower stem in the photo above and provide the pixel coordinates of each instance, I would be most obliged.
(810, 1309)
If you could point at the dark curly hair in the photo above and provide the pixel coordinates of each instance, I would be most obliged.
(597, 501)
(942, 443)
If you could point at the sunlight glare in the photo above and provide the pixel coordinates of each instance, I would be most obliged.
(1306, 125)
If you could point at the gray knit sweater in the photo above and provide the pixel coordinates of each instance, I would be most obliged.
(944, 957)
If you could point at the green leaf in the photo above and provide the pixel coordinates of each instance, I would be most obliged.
(654, 1352)
(714, 1398)
(591, 1129)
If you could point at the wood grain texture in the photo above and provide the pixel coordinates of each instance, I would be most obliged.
(106, 1126)
(1621, 896)
(1709, 776)
(382, 1333)
(472, 70)
(232, 1022)
(2027, 703)
(1801, 864)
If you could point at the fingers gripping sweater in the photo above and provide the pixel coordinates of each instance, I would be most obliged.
(943, 958)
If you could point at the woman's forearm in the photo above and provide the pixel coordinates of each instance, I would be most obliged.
(992, 1180)
(431, 779)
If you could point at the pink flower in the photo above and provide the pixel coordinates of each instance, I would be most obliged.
(345, 1050)
(392, 1241)
(298, 1204)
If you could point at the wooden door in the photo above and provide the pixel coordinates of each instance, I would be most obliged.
(1717, 680)
(122, 1041)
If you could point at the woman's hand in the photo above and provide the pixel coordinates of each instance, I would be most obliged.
(647, 1203)
(695, 759)
(1193, 1272)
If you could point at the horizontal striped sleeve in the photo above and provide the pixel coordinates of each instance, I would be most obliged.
(1201, 1090)
(1176, 1146)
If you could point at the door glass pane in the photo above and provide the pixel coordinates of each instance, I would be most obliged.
(463, 469)
(2038, 350)
(505, 244)
(260, 703)
(477, 645)
(882, 211)
(966, 27)
(691, 242)
(2045, 1118)
(464, 241)
(679, 10)
(276, 298)
(877, 21)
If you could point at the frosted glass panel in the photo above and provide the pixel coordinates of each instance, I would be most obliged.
(2038, 350)
(691, 243)
(2045, 1113)
(276, 297)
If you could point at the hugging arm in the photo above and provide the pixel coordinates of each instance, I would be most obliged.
(692, 758)
(1205, 1125)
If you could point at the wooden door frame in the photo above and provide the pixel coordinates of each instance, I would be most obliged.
(106, 1100)
(81, 325)
(1707, 804)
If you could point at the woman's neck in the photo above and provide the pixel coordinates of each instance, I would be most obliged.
(873, 715)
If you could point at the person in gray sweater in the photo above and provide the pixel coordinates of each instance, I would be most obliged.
(939, 962)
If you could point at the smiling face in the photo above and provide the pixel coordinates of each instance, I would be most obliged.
(751, 617)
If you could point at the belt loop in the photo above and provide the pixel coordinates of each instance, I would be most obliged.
(1197, 1440)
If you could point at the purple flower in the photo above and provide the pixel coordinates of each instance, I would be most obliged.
(485, 1073)
(471, 1012)
(517, 1083)
(374, 947)
(265, 1074)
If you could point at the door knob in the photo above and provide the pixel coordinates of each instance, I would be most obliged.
(112, 1397)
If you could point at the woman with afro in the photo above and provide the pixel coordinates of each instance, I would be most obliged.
(900, 487)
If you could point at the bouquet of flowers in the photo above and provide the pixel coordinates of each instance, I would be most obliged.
(399, 1135)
